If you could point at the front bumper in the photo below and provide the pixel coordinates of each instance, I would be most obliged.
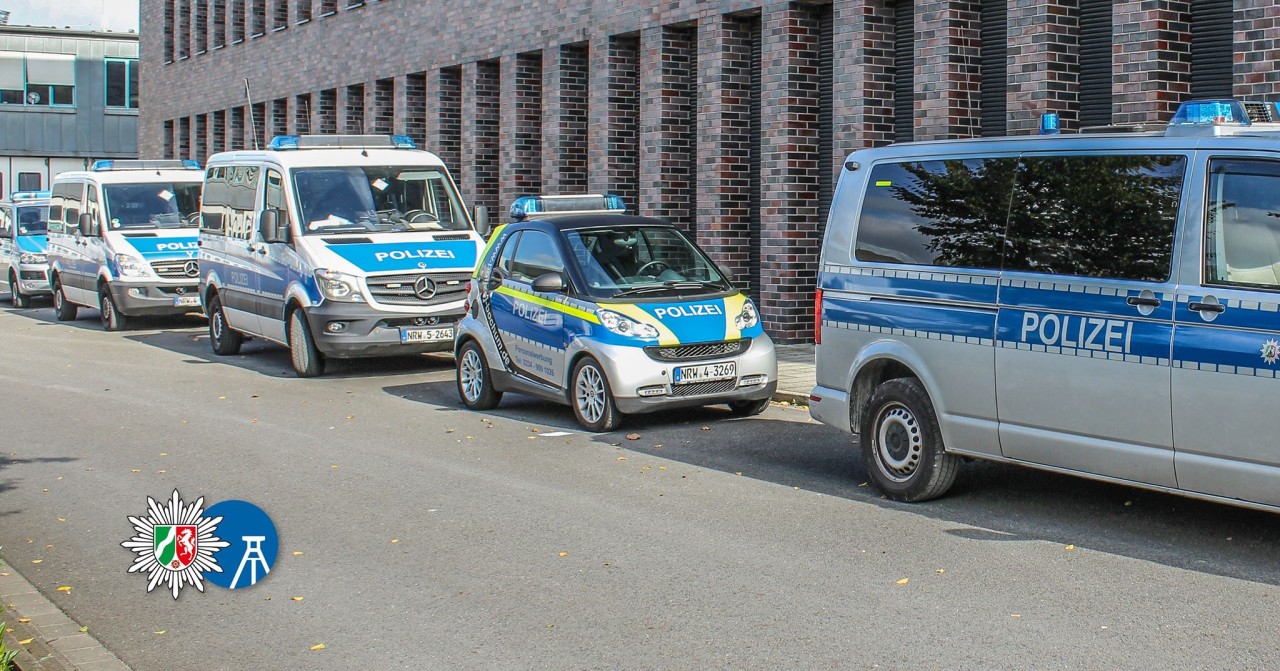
(154, 298)
(34, 279)
(366, 332)
(630, 369)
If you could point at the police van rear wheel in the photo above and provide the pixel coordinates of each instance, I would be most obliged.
(475, 385)
(592, 399)
(63, 309)
(307, 359)
(20, 300)
(902, 444)
(112, 320)
(748, 408)
(223, 338)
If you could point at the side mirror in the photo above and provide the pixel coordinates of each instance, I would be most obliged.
(550, 283)
(271, 226)
(494, 281)
(85, 224)
(482, 221)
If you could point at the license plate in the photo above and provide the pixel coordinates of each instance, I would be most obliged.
(706, 373)
(426, 334)
(186, 302)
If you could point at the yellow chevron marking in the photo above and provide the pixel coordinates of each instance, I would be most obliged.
(666, 336)
(732, 308)
(550, 305)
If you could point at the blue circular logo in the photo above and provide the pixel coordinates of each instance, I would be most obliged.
(253, 544)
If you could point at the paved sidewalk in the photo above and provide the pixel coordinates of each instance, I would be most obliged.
(796, 373)
(48, 640)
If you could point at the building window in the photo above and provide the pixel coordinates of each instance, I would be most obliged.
(122, 83)
(37, 79)
(28, 181)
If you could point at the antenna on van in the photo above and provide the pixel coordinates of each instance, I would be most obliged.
(253, 121)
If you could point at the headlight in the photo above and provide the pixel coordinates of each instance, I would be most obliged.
(28, 258)
(130, 266)
(338, 286)
(748, 317)
(625, 326)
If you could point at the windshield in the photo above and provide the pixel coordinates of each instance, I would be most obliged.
(33, 219)
(152, 205)
(635, 260)
(377, 199)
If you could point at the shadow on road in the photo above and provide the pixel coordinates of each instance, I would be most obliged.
(10, 484)
(990, 502)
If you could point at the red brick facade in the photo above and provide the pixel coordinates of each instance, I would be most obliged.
(730, 118)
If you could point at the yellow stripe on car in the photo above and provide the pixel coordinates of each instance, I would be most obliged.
(550, 305)
(493, 237)
(732, 308)
(666, 336)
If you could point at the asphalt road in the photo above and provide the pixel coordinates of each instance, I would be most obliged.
(704, 543)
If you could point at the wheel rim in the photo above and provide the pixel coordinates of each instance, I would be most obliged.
(589, 394)
(215, 325)
(107, 309)
(57, 298)
(471, 374)
(899, 442)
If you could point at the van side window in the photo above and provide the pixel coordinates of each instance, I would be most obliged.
(1095, 216)
(213, 204)
(242, 195)
(273, 195)
(1242, 224)
(68, 195)
(91, 206)
(938, 213)
(6, 223)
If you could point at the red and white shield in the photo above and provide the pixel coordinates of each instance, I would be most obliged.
(186, 550)
(175, 546)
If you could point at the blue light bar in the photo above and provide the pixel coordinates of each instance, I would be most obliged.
(291, 142)
(403, 142)
(283, 142)
(30, 195)
(524, 206)
(108, 165)
(1221, 112)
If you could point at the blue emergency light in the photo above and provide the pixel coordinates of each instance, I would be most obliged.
(109, 165)
(30, 195)
(291, 142)
(524, 206)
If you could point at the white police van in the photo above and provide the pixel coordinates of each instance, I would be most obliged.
(335, 246)
(609, 313)
(1100, 305)
(122, 239)
(24, 224)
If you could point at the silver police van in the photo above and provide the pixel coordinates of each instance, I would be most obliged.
(1104, 305)
(24, 227)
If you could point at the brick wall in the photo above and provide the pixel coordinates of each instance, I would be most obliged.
(481, 101)
(1043, 64)
(668, 115)
(520, 127)
(947, 70)
(1257, 38)
(564, 119)
(1152, 64)
(614, 119)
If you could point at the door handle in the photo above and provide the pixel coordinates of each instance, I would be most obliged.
(1148, 301)
(1198, 306)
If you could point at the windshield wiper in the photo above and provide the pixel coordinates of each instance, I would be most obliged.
(670, 285)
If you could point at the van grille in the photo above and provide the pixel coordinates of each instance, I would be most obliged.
(706, 350)
(400, 289)
(177, 269)
(701, 388)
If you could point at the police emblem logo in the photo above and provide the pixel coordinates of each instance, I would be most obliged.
(1271, 351)
(175, 544)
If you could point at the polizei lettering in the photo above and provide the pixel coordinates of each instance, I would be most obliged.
(688, 311)
(1092, 333)
(407, 254)
(177, 246)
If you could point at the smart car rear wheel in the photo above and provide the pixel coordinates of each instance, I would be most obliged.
(475, 385)
(307, 359)
(902, 444)
(112, 320)
(748, 408)
(225, 340)
(592, 399)
(63, 309)
(20, 300)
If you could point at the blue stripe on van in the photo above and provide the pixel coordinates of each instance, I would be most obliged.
(954, 287)
(1199, 345)
(1083, 297)
(920, 319)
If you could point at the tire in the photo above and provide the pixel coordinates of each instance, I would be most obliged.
(20, 300)
(748, 408)
(902, 445)
(307, 359)
(63, 309)
(112, 320)
(475, 384)
(591, 397)
(224, 339)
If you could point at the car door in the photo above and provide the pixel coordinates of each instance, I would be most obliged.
(227, 210)
(1226, 349)
(530, 327)
(9, 250)
(271, 259)
(1085, 315)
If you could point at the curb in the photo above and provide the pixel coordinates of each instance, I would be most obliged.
(791, 398)
(57, 641)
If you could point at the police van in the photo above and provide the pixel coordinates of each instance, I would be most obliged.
(122, 240)
(335, 246)
(609, 313)
(24, 269)
(1104, 305)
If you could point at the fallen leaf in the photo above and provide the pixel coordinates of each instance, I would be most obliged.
(62, 519)
(318, 646)
(164, 454)
(36, 561)
(536, 430)
(24, 620)
(64, 588)
(658, 446)
(662, 468)
(564, 554)
(160, 633)
(449, 430)
(26, 641)
(334, 467)
(904, 581)
(3, 573)
(940, 571)
(706, 428)
(297, 554)
(1069, 547)
(222, 398)
(395, 540)
(84, 629)
(622, 458)
(295, 598)
(135, 470)
(1015, 615)
(45, 490)
(633, 436)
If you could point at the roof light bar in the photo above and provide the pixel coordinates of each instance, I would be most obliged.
(524, 206)
(111, 165)
(30, 195)
(291, 142)
(1223, 116)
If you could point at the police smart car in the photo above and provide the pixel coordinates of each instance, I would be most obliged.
(24, 227)
(610, 313)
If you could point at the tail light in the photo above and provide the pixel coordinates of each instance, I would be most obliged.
(817, 317)
(466, 291)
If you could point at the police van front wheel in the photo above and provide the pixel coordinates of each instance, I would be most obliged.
(902, 444)
(20, 300)
(475, 385)
(112, 320)
(225, 340)
(592, 399)
(307, 359)
(63, 309)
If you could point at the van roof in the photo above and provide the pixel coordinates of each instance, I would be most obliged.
(318, 158)
(130, 176)
(1264, 140)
